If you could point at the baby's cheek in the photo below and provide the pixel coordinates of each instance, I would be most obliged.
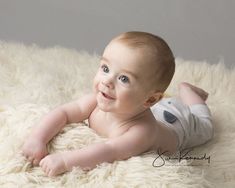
(127, 98)
(95, 83)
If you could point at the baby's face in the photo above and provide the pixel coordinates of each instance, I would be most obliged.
(122, 83)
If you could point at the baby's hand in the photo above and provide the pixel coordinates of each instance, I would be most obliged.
(53, 164)
(34, 150)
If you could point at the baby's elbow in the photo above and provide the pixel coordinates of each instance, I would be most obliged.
(114, 153)
(60, 115)
(119, 153)
(121, 156)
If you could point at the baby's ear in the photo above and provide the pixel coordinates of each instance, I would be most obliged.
(154, 98)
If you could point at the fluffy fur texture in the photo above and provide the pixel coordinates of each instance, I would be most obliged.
(34, 80)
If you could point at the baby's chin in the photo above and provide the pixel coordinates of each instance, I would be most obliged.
(104, 107)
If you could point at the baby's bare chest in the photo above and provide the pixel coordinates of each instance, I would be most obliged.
(106, 127)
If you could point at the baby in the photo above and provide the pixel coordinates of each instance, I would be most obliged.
(127, 107)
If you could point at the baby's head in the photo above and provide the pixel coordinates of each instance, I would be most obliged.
(136, 68)
(154, 53)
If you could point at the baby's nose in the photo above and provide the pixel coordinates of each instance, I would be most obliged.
(108, 82)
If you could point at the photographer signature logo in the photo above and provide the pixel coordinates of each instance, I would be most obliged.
(160, 160)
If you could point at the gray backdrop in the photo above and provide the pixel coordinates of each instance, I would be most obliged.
(194, 29)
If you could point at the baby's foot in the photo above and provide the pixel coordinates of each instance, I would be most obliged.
(202, 93)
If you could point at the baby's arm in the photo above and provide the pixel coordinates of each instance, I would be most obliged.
(135, 141)
(35, 146)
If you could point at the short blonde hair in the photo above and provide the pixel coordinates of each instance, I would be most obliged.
(158, 49)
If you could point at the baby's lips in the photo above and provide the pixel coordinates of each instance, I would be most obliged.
(107, 96)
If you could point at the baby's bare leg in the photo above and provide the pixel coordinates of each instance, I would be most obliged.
(190, 94)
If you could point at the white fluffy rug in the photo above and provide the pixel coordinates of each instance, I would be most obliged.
(34, 80)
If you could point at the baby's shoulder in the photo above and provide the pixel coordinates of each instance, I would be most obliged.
(145, 127)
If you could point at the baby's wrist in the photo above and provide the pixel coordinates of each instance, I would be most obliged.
(37, 138)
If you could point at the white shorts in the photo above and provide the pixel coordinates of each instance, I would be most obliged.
(192, 124)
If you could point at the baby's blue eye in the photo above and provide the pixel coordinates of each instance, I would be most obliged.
(105, 68)
(124, 79)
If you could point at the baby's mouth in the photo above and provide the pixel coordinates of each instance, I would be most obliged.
(107, 96)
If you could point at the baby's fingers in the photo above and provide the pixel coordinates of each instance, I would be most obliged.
(30, 159)
(25, 154)
(41, 163)
(36, 162)
(51, 173)
(47, 170)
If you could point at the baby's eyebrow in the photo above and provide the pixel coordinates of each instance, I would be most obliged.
(130, 73)
(104, 59)
(124, 70)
